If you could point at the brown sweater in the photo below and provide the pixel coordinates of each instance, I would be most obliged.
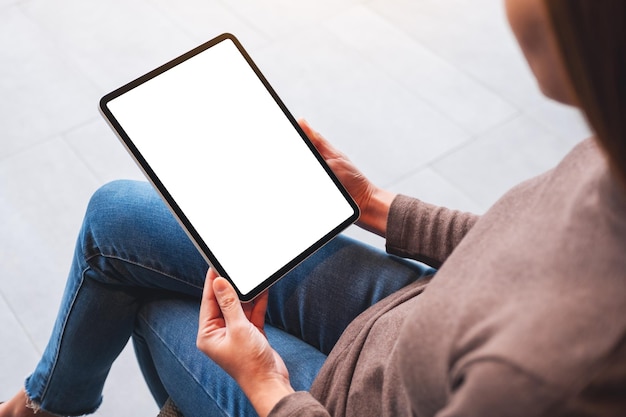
(526, 316)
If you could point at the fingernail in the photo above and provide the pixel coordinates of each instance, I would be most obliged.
(220, 285)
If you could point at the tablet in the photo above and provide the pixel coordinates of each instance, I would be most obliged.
(231, 162)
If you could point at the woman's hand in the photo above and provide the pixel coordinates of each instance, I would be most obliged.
(373, 202)
(232, 335)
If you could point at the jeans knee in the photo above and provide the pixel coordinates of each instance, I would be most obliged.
(116, 192)
(115, 208)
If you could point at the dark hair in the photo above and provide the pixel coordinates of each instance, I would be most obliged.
(591, 35)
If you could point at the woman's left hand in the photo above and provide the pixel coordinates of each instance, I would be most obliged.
(232, 335)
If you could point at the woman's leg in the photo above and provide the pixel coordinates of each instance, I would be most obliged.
(321, 297)
(129, 248)
(312, 306)
(165, 342)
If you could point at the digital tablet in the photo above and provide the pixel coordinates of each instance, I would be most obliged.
(231, 162)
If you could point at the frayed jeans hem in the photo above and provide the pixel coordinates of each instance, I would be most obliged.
(36, 407)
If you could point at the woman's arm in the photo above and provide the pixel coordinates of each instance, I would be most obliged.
(425, 232)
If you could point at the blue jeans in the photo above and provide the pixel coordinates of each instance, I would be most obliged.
(135, 273)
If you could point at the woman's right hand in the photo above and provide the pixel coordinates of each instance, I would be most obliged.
(373, 202)
(232, 335)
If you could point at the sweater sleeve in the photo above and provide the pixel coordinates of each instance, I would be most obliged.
(299, 404)
(425, 232)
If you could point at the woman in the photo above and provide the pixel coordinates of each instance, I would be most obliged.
(526, 315)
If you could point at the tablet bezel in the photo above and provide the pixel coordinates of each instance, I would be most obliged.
(171, 203)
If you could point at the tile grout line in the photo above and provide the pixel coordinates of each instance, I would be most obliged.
(45, 139)
(20, 323)
(443, 58)
(430, 164)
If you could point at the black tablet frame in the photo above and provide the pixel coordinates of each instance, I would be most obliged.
(171, 203)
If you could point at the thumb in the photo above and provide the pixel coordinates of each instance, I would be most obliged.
(228, 301)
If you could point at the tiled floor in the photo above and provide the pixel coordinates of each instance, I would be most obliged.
(429, 97)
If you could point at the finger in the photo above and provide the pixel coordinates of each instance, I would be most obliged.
(305, 125)
(313, 135)
(209, 308)
(322, 145)
(228, 302)
(212, 273)
(257, 317)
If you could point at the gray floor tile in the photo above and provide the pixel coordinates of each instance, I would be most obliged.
(42, 93)
(46, 184)
(34, 269)
(7, 3)
(495, 162)
(203, 20)
(111, 42)
(472, 35)
(17, 346)
(102, 152)
(452, 92)
(564, 121)
(278, 19)
(44, 192)
(429, 186)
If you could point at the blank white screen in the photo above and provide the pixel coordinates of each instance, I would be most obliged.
(233, 163)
